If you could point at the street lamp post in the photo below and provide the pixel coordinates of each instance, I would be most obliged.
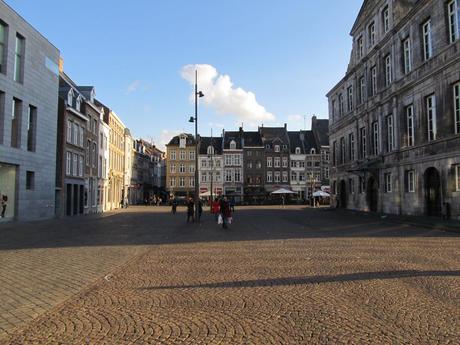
(195, 119)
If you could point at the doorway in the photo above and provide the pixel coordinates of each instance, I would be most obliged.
(372, 194)
(343, 194)
(432, 192)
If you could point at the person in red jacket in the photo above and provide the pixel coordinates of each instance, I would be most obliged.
(215, 208)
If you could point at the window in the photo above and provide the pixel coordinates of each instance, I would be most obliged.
(237, 175)
(236, 160)
(285, 176)
(210, 150)
(182, 168)
(191, 168)
(388, 70)
(191, 155)
(410, 125)
(297, 150)
(19, 59)
(457, 177)
(191, 182)
(285, 162)
(431, 117)
(75, 165)
(457, 108)
(182, 182)
(228, 159)
(228, 176)
(249, 153)
(204, 176)
(351, 186)
(31, 128)
(375, 138)
(16, 112)
(259, 165)
(173, 155)
(182, 142)
(30, 180)
(293, 176)
(427, 40)
(267, 146)
(277, 177)
(277, 162)
(277, 148)
(362, 141)
(68, 166)
(69, 131)
(390, 133)
(351, 146)
(172, 182)
(80, 166)
(78, 103)
(80, 135)
(269, 162)
(387, 181)
(452, 9)
(233, 145)
(269, 176)
(94, 153)
(371, 34)
(374, 80)
(386, 19)
(182, 155)
(334, 154)
(360, 47)
(342, 150)
(410, 181)
(173, 168)
(362, 89)
(350, 98)
(88, 156)
(2, 48)
(341, 105)
(407, 56)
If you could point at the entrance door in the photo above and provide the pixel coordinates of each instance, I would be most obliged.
(372, 194)
(75, 199)
(432, 192)
(68, 199)
(343, 194)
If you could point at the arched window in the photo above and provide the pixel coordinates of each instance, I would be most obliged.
(313, 151)
(297, 150)
(232, 145)
(77, 103)
(70, 98)
(277, 148)
(210, 150)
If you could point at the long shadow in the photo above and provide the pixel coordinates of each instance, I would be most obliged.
(311, 280)
(151, 226)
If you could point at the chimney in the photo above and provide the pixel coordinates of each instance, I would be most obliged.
(61, 64)
(285, 126)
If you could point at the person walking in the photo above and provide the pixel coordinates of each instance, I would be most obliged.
(190, 210)
(232, 205)
(174, 205)
(215, 208)
(225, 212)
(4, 203)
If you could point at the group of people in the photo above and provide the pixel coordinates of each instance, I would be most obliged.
(221, 208)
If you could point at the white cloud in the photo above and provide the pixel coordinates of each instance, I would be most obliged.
(224, 97)
(137, 85)
(165, 137)
(216, 125)
(297, 122)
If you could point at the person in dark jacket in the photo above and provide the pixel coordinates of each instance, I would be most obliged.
(225, 212)
(200, 209)
(174, 205)
(190, 210)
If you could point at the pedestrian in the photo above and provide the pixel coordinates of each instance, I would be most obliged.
(225, 212)
(4, 204)
(232, 204)
(174, 205)
(215, 208)
(200, 209)
(190, 210)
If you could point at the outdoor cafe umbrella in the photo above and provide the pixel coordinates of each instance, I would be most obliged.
(320, 193)
(283, 191)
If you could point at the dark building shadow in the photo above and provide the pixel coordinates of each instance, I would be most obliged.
(151, 226)
(311, 280)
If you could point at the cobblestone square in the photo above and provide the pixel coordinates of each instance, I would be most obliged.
(277, 276)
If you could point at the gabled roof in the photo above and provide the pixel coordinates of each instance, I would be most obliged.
(236, 136)
(270, 134)
(309, 141)
(320, 128)
(205, 142)
(175, 140)
(295, 140)
(252, 139)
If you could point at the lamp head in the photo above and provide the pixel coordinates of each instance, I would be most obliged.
(192, 119)
(200, 94)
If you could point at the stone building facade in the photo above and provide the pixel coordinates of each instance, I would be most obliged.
(395, 116)
(254, 167)
(180, 166)
(233, 165)
(29, 81)
(211, 167)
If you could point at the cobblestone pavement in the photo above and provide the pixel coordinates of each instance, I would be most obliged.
(278, 276)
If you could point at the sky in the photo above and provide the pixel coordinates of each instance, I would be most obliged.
(259, 62)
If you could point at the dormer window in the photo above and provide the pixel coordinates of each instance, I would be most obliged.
(277, 148)
(267, 146)
(313, 151)
(92, 96)
(210, 150)
(284, 147)
(78, 103)
(70, 98)
(182, 142)
(297, 150)
(232, 145)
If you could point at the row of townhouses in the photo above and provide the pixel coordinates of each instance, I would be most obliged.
(395, 116)
(62, 152)
(249, 165)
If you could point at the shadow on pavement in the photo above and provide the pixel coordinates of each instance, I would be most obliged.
(156, 225)
(312, 280)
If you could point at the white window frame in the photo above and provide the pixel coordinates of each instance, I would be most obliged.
(341, 108)
(411, 181)
(68, 163)
(173, 155)
(75, 164)
(277, 148)
(386, 19)
(410, 131)
(277, 162)
(431, 117)
(388, 182)
(69, 131)
(269, 177)
(427, 40)
(182, 155)
(172, 182)
(297, 150)
(362, 89)
(191, 182)
(363, 143)
(388, 71)
(237, 175)
(390, 133)
(80, 166)
(285, 176)
(232, 145)
(360, 47)
(407, 52)
(350, 98)
(375, 138)
(457, 108)
(374, 80)
(277, 177)
(284, 162)
(371, 34)
(181, 182)
(453, 20)
(351, 143)
(269, 162)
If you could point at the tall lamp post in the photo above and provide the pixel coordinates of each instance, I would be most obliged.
(195, 119)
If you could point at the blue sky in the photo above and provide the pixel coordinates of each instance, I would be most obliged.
(280, 56)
